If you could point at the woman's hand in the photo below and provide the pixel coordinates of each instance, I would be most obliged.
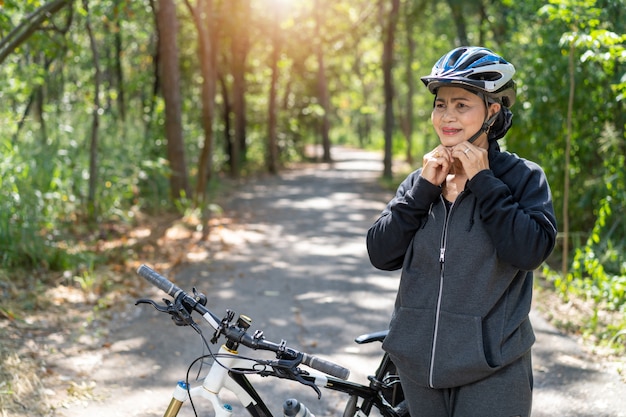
(436, 165)
(473, 158)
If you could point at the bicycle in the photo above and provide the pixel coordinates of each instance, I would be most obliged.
(229, 367)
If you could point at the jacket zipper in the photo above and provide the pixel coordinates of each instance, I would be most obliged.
(442, 259)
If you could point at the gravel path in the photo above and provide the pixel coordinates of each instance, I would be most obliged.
(296, 263)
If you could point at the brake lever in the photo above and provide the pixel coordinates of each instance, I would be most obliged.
(288, 369)
(178, 312)
(308, 383)
(158, 307)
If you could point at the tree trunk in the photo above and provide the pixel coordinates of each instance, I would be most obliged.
(272, 147)
(93, 145)
(322, 85)
(226, 112)
(36, 105)
(568, 149)
(456, 7)
(363, 123)
(150, 102)
(204, 22)
(167, 25)
(410, 79)
(38, 96)
(388, 42)
(118, 63)
(240, 46)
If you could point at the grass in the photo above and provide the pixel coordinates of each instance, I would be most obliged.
(21, 388)
(44, 314)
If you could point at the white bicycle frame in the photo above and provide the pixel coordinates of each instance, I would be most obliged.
(229, 371)
(214, 382)
(218, 379)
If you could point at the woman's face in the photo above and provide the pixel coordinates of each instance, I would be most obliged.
(458, 114)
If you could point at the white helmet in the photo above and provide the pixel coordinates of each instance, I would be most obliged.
(475, 68)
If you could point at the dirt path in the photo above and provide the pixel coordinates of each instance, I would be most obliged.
(296, 264)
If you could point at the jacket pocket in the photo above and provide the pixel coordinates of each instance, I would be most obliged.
(459, 355)
(410, 340)
(458, 352)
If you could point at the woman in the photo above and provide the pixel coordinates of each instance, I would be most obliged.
(467, 229)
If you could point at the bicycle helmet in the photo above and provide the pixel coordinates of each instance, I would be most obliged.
(475, 68)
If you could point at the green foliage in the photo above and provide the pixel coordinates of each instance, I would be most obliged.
(22, 211)
(46, 189)
(599, 267)
(47, 88)
(598, 270)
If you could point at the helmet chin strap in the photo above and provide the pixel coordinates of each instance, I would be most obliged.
(484, 129)
(486, 124)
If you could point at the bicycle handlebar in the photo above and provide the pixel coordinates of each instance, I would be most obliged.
(159, 281)
(325, 366)
(237, 334)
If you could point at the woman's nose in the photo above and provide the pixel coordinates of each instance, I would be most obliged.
(447, 115)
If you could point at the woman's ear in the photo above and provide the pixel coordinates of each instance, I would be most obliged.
(494, 108)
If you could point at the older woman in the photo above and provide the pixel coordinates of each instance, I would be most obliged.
(467, 229)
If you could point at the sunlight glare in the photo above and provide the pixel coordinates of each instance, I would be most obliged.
(283, 4)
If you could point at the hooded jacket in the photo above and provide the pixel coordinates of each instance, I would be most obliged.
(461, 312)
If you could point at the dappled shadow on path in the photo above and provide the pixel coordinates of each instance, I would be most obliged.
(294, 259)
(568, 381)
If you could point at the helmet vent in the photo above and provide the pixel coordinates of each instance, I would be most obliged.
(473, 61)
(486, 76)
(454, 58)
(475, 68)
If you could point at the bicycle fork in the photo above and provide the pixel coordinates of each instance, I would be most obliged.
(216, 379)
(179, 396)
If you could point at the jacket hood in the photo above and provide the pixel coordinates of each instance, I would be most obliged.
(503, 123)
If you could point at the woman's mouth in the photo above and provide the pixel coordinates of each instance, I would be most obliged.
(449, 131)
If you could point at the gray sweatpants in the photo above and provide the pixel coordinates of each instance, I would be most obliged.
(507, 393)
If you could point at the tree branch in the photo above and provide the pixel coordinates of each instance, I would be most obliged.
(28, 26)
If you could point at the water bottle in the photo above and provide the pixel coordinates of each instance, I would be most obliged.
(294, 408)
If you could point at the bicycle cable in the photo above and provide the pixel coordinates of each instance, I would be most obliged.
(215, 357)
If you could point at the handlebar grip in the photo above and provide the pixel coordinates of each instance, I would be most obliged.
(325, 366)
(158, 280)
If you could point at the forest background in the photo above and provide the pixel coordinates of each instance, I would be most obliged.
(116, 113)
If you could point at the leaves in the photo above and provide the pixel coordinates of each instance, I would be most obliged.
(46, 92)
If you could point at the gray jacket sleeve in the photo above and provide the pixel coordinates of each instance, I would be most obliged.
(518, 214)
(390, 236)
